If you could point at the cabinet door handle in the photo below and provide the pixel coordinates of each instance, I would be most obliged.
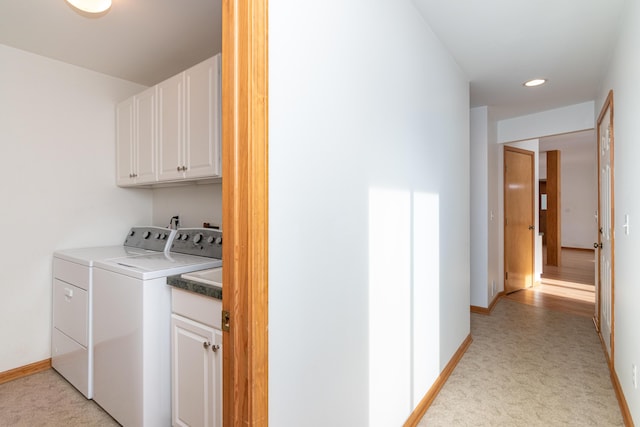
(68, 293)
(206, 344)
(215, 348)
(178, 168)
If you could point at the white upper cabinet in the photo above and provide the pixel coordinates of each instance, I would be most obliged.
(202, 119)
(171, 128)
(176, 130)
(146, 136)
(125, 159)
(136, 139)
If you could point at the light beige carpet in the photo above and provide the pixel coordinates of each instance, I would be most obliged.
(528, 366)
(46, 399)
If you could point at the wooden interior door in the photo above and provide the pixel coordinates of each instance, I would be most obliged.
(519, 217)
(605, 245)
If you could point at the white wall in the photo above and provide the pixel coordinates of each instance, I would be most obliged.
(194, 203)
(486, 279)
(57, 129)
(622, 78)
(551, 122)
(479, 163)
(578, 193)
(369, 211)
(496, 260)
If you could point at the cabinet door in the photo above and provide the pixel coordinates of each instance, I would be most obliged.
(196, 373)
(202, 119)
(171, 161)
(125, 143)
(145, 152)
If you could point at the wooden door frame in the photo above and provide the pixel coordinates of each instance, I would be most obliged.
(506, 148)
(554, 208)
(245, 211)
(607, 106)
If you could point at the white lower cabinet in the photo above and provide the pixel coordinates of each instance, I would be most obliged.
(196, 365)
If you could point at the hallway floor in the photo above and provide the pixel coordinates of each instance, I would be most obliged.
(569, 287)
(536, 360)
(528, 366)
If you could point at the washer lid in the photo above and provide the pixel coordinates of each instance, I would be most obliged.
(158, 264)
(87, 256)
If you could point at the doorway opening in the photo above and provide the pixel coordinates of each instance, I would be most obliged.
(567, 277)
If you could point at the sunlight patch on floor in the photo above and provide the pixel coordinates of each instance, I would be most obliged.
(574, 291)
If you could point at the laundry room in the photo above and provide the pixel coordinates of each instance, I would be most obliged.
(59, 116)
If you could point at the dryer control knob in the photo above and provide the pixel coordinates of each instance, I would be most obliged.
(219, 241)
(157, 236)
(210, 239)
(197, 238)
(146, 234)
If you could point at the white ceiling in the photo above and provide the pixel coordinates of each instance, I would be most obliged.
(498, 43)
(143, 41)
(502, 43)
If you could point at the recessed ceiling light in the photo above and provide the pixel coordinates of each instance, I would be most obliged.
(535, 82)
(91, 6)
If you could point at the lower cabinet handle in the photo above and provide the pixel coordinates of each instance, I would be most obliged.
(206, 344)
(215, 348)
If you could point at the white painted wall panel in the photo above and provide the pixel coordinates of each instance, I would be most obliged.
(551, 122)
(479, 163)
(194, 203)
(579, 195)
(57, 128)
(369, 135)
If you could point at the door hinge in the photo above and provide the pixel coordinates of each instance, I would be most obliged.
(226, 319)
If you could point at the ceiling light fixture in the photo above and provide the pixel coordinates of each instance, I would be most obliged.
(535, 82)
(91, 6)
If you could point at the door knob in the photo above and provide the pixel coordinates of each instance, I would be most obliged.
(597, 245)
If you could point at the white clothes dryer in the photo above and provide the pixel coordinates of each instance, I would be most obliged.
(72, 323)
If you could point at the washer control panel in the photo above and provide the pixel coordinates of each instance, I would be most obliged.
(205, 242)
(150, 238)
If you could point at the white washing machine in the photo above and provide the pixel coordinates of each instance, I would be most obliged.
(132, 326)
(71, 332)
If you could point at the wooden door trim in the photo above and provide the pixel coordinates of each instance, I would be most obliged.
(607, 106)
(504, 207)
(554, 208)
(245, 211)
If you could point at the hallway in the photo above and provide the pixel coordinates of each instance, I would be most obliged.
(528, 366)
(536, 360)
